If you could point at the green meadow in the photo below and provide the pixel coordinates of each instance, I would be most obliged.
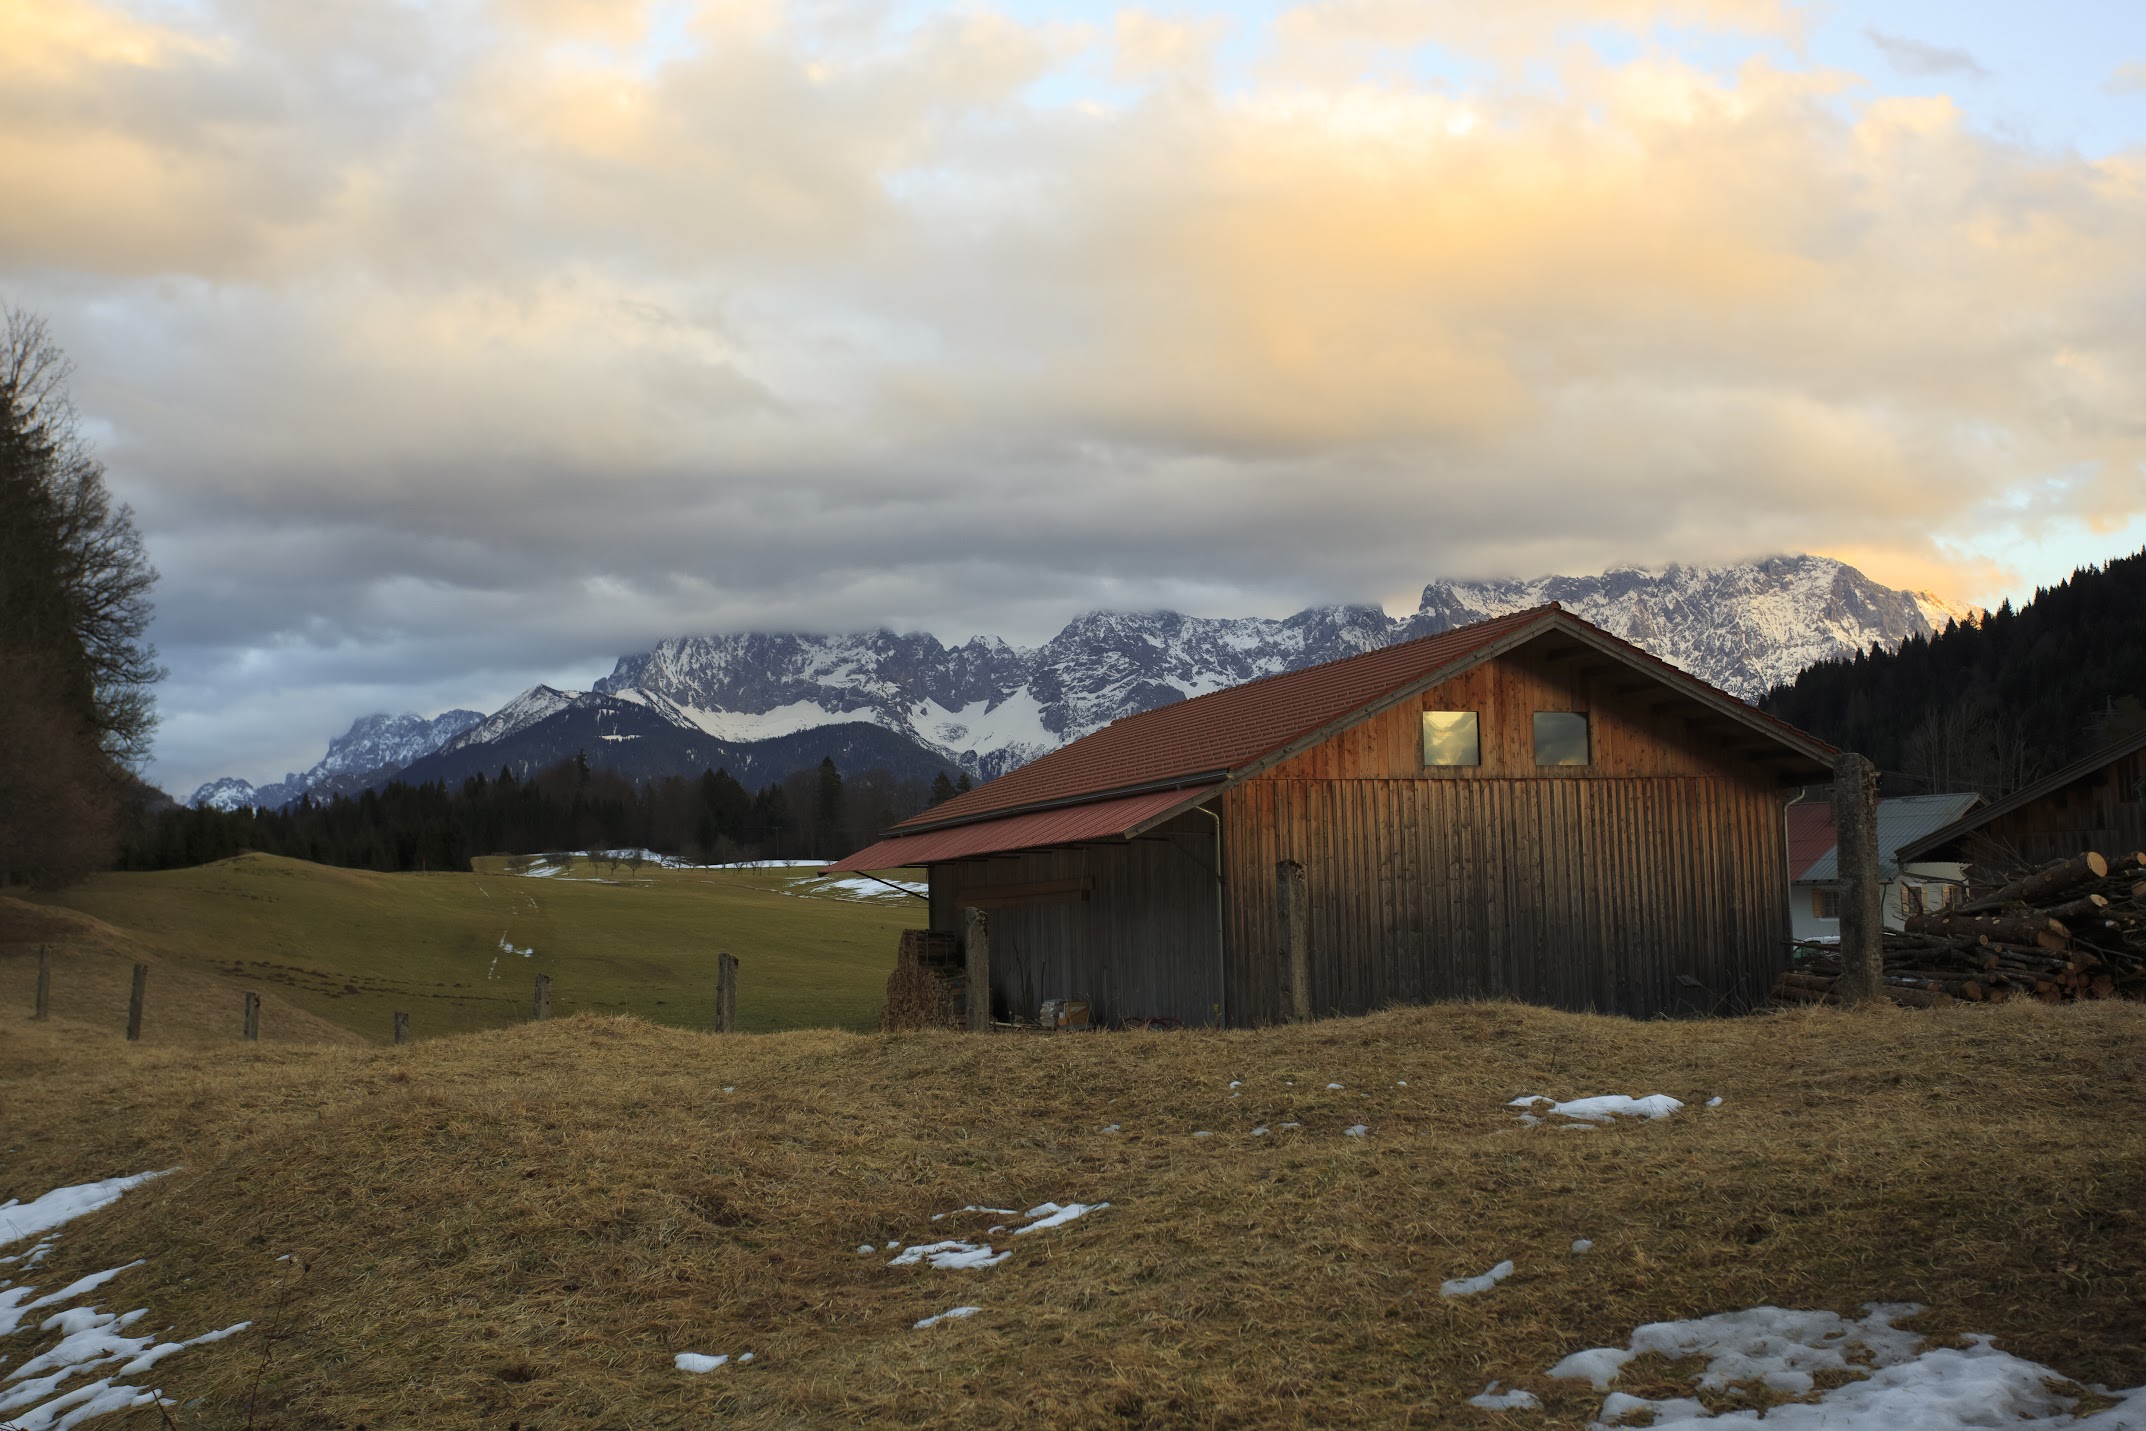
(461, 952)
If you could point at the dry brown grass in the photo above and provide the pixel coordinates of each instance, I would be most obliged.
(93, 975)
(521, 1228)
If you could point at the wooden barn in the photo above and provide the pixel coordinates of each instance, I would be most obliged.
(2098, 803)
(1526, 807)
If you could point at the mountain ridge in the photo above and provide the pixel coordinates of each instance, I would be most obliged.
(986, 706)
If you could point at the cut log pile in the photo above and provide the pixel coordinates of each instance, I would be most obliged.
(929, 988)
(2073, 929)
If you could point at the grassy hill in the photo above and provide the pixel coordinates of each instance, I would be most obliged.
(524, 1227)
(350, 946)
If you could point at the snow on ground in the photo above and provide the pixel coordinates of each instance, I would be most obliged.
(34, 1395)
(1900, 1384)
(1356, 1130)
(21, 1220)
(950, 1314)
(950, 1255)
(1600, 1109)
(1469, 1286)
(1051, 1214)
(506, 946)
(1582, 1244)
(1492, 1399)
(858, 887)
(700, 1364)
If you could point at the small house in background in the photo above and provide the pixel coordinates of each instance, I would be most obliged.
(2098, 804)
(1921, 887)
(1526, 807)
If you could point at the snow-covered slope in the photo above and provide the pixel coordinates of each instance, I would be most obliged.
(1745, 628)
(228, 793)
(988, 706)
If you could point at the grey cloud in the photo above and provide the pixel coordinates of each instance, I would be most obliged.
(1925, 61)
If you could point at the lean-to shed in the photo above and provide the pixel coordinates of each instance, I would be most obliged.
(1526, 807)
(2097, 803)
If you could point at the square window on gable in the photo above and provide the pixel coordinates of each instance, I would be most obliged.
(1560, 738)
(1451, 738)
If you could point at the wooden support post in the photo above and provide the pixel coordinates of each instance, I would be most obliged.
(250, 1023)
(1862, 896)
(726, 993)
(44, 983)
(977, 946)
(134, 1001)
(1292, 908)
(402, 1026)
(541, 1008)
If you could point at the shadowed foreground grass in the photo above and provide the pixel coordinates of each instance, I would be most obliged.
(523, 1227)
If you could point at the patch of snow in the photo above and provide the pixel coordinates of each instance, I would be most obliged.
(1260, 1132)
(1714, 1102)
(1492, 1399)
(1582, 1244)
(701, 1365)
(865, 1248)
(1356, 1130)
(22, 1220)
(1051, 1214)
(1110, 1128)
(950, 1314)
(949, 1255)
(1202, 1133)
(1333, 1087)
(1469, 1286)
(1603, 1108)
(1900, 1385)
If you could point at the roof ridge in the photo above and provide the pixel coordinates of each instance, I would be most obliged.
(1390, 646)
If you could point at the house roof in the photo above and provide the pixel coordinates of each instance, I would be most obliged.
(1813, 846)
(1192, 746)
(2078, 769)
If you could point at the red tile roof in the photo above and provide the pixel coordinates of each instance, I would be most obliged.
(1039, 829)
(1810, 835)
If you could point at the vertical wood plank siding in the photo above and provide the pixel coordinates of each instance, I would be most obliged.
(1142, 944)
(1580, 894)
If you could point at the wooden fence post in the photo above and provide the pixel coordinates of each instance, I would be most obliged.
(1292, 907)
(44, 982)
(134, 1002)
(1862, 895)
(402, 1026)
(250, 1028)
(977, 947)
(726, 993)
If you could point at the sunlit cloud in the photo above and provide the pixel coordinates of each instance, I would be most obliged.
(501, 339)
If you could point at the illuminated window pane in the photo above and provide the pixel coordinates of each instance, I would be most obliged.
(1449, 738)
(1560, 738)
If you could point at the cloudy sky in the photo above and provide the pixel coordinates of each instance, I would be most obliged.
(444, 348)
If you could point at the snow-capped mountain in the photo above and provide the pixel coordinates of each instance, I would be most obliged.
(375, 747)
(1745, 628)
(987, 706)
(229, 793)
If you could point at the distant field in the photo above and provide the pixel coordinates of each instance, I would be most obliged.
(460, 952)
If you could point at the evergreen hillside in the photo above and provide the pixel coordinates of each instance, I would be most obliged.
(1995, 704)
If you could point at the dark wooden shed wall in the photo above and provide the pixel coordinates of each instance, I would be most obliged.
(1575, 886)
(1141, 945)
(2103, 810)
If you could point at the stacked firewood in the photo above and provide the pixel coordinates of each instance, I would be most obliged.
(2073, 929)
(929, 988)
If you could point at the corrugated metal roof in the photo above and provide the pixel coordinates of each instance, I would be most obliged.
(1066, 825)
(1901, 821)
(2078, 769)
